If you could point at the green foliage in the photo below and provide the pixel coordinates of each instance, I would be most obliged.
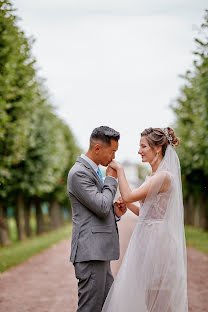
(21, 251)
(191, 110)
(37, 148)
(143, 171)
(45, 158)
(72, 151)
(17, 85)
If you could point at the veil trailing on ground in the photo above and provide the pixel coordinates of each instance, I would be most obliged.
(153, 274)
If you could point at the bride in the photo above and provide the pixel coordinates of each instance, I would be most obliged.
(153, 274)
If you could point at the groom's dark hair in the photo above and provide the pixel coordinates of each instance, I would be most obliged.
(104, 134)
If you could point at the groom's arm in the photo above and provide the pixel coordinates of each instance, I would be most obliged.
(88, 194)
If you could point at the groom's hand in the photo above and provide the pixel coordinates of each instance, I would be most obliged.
(120, 208)
(111, 172)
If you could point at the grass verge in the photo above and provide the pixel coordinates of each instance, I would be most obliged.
(197, 238)
(20, 251)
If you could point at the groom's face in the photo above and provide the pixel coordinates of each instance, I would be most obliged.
(107, 152)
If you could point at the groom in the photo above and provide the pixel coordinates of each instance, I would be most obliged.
(95, 238)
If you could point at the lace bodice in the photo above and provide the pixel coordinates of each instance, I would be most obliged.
(158, 207)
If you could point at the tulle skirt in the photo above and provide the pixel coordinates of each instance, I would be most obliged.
(152, 276)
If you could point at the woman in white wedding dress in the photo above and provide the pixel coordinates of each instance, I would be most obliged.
(153, 274)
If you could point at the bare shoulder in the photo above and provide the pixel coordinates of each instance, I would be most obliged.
(162, 179)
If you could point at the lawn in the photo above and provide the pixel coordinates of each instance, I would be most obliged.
(19, 252)
(197, 238)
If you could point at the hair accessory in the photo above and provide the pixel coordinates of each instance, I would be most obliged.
(169, 137)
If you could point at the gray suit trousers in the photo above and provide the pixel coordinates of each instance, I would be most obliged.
(94, 282)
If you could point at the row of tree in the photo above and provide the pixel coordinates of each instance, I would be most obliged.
(37, 148)
(191, 110)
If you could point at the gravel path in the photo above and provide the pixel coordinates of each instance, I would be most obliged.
(46, 282)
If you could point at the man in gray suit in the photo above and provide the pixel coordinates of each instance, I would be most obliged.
(95, 238)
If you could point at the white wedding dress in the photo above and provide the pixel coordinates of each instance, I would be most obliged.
(153, 274)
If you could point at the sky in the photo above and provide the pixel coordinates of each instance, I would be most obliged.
(113, 62)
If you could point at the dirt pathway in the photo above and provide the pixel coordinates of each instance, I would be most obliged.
(46, 282)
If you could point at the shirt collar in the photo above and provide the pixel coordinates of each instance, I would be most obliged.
(91, 162)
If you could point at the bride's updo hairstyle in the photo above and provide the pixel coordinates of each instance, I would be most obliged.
(161, 137)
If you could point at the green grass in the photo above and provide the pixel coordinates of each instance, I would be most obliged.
(19, 252)
(197, 238)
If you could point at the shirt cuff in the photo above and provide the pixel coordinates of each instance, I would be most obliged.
(117, 218)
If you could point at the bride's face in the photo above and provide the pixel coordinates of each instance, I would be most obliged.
(146, 151)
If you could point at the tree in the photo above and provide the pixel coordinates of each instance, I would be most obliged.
(45, 160)
(17, 83)
(36, 147)
(191, 110)
(58, 199)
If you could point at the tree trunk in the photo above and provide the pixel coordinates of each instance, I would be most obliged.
(27, 212)
(185, 211)
(39, 217)
(61, 212)
(4, 237)
(19, 216)
(55, 215)
(206, 214)
(203, 200)
(190, 210)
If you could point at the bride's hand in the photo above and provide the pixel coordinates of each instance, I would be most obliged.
(115, 165)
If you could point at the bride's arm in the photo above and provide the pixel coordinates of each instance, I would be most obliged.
(134, 208)
(127, 194)
(130, 196)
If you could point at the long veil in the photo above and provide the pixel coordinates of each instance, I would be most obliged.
(153, 274)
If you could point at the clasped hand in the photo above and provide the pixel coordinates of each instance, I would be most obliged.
(120, 207)
(115, 165)
(112, 169)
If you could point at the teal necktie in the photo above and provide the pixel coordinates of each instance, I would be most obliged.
(100, 175)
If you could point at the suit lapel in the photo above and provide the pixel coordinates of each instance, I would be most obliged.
(87, 165)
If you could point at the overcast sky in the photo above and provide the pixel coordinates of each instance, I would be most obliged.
(113, 62)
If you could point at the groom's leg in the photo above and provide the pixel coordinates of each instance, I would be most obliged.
(92, 276)
(109, 281)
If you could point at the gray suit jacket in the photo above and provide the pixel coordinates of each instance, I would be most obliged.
(95, 232)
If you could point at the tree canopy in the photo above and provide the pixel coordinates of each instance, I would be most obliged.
(37, 148)
(191, 111)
